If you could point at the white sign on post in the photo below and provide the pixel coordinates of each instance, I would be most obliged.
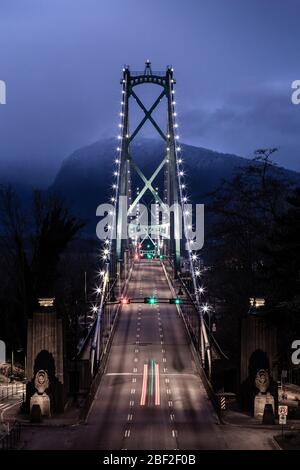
(282, 419)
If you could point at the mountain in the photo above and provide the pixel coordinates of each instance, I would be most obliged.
(86, 176)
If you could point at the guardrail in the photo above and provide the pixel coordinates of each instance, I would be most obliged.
(11, 390)
(10, 440)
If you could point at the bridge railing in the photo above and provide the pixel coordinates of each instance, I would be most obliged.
(191, 314)
(87, 340)
(11, 390)
(11, 438)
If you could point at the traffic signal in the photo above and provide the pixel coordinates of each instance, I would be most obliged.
(150, 300)
(175, 301)
(125, 301)
(161, 257)
(149, 256)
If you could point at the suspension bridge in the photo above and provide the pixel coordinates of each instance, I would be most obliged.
(151, 349)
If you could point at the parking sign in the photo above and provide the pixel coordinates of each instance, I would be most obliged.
(282, 410)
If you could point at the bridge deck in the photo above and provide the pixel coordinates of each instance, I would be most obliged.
(182, 417)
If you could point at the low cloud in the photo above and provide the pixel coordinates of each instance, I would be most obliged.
(249, 120)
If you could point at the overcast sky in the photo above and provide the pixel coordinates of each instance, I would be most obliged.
(234, 62)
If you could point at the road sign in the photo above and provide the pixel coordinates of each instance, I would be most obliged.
(282, 410)
(282, 419)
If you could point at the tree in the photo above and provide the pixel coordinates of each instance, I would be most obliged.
(282, 273)
(244, 212)
(30, 249)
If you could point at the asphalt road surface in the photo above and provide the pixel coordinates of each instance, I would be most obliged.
(151, 396)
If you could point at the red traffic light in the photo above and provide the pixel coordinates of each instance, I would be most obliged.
(136, 257)
(125, 301)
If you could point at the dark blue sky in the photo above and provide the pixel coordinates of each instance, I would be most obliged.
(234, 62)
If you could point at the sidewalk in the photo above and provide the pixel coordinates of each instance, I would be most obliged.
(243, 419)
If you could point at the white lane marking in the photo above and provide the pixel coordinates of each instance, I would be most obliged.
(157, 389)
(137, 335)
(167, 380)
(172, 417)
(134, 380)
(122, 373)
(163, 351)
(127, 433)
(132, 391)
(129, 417)
(165, 369)
(164, 359)
(174, 433)
(136, 359)
(144, 385)
(136, 351)
(170, 403)
(161, 342)
(131, 403)
(168, 391)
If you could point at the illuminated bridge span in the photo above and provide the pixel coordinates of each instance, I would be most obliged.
(150, 349)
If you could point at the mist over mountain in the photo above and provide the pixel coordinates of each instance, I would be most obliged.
(85, 178)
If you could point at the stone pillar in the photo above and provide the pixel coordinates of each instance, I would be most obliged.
(258, 351)
(257, 335)
(45, 351)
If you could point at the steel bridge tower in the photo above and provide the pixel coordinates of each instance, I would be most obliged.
(119, 243)
(125, 205)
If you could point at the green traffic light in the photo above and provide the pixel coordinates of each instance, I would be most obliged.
(161, 257)
(175, 301)
(150, 300)
(148, 246)
(149, 256)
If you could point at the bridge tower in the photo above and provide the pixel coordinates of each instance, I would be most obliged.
(125, 205)
(174, 227)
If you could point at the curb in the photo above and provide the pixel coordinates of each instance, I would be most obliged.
(275, 427)
(276, 445)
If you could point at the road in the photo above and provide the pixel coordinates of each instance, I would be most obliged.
(150, 396)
